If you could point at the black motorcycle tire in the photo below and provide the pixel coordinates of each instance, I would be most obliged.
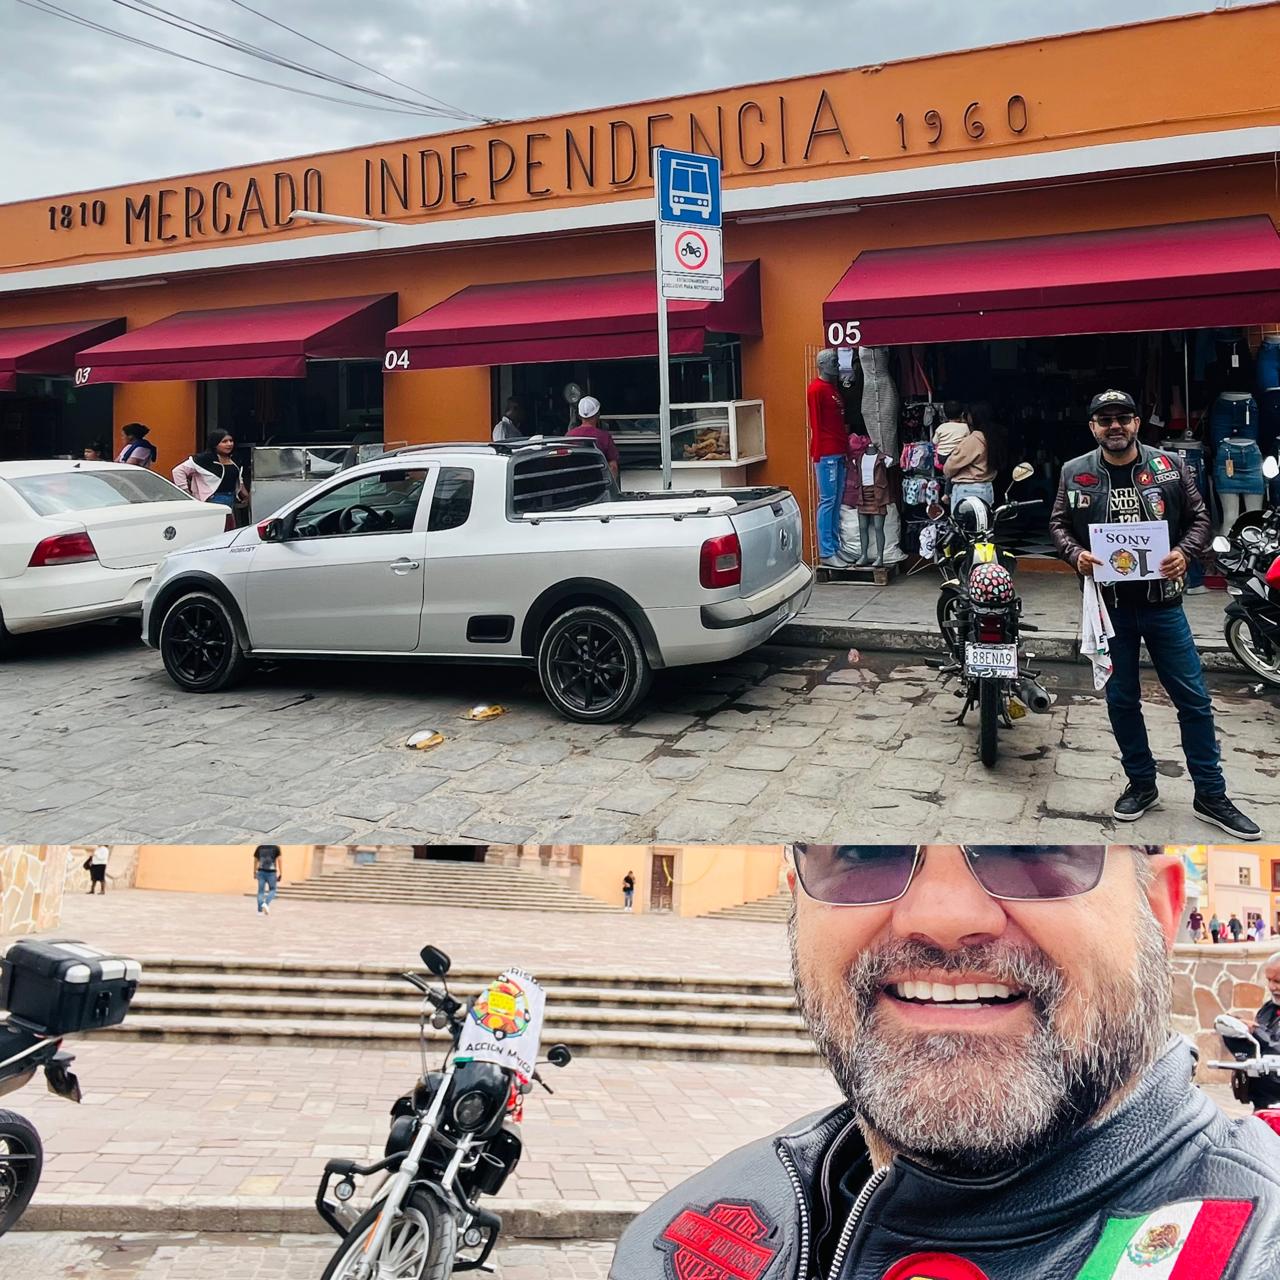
(21, 1163)
(988, 720)
(420, 1207)
(1239, 637)
(950, 602)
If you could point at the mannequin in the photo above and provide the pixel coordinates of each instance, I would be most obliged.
(880, 405)
(828, 446)
(1238, 478)
(867, 492)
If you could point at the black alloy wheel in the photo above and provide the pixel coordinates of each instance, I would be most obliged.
(592, 665)
(21, 1162)
(198, 644)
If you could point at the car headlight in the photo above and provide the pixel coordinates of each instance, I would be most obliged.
(471, 1110)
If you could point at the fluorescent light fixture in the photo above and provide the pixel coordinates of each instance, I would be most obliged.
(309, 215)
(131, 284)
(794, 215)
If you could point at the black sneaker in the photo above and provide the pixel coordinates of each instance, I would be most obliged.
(1222, 813)
(1138, 797)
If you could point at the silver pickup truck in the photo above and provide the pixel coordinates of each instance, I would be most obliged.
(516, 553)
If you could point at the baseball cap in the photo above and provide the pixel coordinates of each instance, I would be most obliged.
(1120, 400)
(588, 407)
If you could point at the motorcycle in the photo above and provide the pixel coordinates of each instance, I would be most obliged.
(1250, 560)
(51, 990)
(452, 1139)
(1255, 1076)
(980, 617)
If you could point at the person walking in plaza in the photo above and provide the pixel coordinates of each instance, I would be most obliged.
(1195, 922)
(1236, 928)
(828, 452)
(510, 425)
(214, 475)
(628, 890)
(1122, 482)
(1215, 927)
(97, 865)
(138, 451)
(266, 866)
(589, 428)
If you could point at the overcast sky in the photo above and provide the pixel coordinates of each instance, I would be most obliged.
(84, 109)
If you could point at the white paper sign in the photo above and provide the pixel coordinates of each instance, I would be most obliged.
(1129, 552)
(504, 1025)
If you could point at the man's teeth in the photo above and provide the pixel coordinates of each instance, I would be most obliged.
(945, 992)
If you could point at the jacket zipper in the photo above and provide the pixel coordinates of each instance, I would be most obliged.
(802, 1204)
(846, 1236)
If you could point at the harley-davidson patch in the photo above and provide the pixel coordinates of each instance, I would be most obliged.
(1087, 479)
(729, 1240)
(935, 1266)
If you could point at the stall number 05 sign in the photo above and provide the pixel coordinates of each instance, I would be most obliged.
(844, 333)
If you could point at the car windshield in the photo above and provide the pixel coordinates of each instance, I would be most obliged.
(62, 491)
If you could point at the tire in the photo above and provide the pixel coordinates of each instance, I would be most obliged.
(21, 1162)
(1240, 641)
(592, 665)
(988, 720)
(199, 645)
(421, 1215)
(950, 602)
(7, 645)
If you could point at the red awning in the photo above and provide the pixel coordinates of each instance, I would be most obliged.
(1189, 275)
(271, 341)
(586, 318)
(48, 349)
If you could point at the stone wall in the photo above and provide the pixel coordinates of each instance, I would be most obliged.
(32, 881)
(1209, 980)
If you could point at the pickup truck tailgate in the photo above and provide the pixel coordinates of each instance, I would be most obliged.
(770, 536)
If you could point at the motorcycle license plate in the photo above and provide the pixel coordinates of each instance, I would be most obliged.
(991, 660)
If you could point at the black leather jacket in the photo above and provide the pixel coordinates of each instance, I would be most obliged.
(755, 1214)
(1166, 492)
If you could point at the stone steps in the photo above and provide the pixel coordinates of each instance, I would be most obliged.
(215, 1000)
(775, 910)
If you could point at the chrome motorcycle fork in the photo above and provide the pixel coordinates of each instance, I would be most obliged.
(403, 1178)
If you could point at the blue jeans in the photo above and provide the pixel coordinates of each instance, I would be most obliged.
(267, 882)
(967, 489)
(1177, 663)
(224, 500)
(1233, 417)
(828, 472)
(1246, 469)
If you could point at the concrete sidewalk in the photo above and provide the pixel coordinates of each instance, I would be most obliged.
(902, 617)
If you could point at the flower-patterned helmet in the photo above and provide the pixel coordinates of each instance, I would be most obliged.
(990, 584)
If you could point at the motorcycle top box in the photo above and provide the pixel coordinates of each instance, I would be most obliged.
(61, 988)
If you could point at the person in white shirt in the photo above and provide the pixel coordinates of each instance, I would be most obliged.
(98, 860)
(508, 427)
(948, 434)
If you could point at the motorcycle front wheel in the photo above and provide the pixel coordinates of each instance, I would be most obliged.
(21, 1161)
(1241, 642)
(988, 720)
(420, 1245)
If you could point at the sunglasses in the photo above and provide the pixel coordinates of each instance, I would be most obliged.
(865, 875)
(1122, 418)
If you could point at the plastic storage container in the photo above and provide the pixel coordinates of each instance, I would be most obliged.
(61, 988)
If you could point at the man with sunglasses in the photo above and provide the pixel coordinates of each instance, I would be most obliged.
(1122, 482)
(998, 1020)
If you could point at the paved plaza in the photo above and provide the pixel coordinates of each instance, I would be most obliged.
(789, 743)
(69, 1255)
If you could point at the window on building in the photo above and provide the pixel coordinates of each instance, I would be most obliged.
(1246, 876)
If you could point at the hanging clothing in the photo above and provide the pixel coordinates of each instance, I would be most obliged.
(1096, 633)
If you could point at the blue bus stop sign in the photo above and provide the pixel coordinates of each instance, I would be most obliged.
(688, 188)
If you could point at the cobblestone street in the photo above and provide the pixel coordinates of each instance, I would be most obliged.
(67, 1255)
(790, 743)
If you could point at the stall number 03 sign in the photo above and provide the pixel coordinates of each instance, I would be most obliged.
(844, 333)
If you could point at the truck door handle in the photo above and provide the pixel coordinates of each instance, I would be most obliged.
(404, 565)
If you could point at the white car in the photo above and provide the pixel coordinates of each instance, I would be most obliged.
(79, 541)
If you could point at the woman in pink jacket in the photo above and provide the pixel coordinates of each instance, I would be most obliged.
(213, 476)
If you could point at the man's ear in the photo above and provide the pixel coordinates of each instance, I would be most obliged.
(1167, 893)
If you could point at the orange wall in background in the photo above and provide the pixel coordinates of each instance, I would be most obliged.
(211, 868)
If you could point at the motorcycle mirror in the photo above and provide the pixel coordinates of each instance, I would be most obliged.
(1221, 544)
(1023, 471)
(559, 1055)
(1271, 468)
(436, 961)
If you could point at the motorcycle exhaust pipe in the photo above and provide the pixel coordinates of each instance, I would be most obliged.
(1035, 695)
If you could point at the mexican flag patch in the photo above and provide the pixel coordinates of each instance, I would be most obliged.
(1188, 1240)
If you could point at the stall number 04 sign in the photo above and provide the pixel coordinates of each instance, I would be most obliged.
(1129, 552)
(504, 1024)
(692, 262)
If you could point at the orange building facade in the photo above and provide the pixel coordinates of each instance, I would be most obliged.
(1146, 126)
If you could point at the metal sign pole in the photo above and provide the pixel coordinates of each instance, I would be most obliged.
(664, 359)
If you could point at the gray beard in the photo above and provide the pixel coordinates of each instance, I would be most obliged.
(977, 1104)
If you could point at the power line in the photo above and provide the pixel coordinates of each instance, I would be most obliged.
(191, 27)
(355, 62)
(46, 7)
